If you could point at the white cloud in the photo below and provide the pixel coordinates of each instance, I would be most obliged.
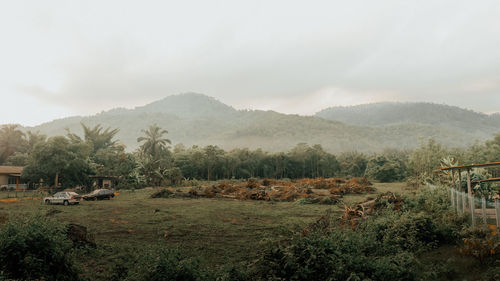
(67, 57)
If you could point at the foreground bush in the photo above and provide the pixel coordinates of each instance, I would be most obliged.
(167, 265)
(340, 255)
(35, 249)
(385, 246)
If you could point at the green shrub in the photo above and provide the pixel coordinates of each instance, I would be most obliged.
(395, 232)
(382, 247)
(233, 273)
(341, 255)
(35, 248)
(167, 265)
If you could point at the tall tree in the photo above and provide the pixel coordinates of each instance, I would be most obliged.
(154, 157)
(154, 142)
(98, 137)
(59, 160)
(21, 156)
(11, 140)
(424, 160)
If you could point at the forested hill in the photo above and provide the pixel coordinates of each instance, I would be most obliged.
(392, 113)
(195, 119)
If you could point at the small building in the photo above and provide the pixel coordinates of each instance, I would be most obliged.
(10, 177)
(108, 182)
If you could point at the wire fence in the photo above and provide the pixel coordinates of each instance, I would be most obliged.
(23, 193)
(480, 209)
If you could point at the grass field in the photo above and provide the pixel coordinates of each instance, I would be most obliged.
(219, 231)
(207, 225)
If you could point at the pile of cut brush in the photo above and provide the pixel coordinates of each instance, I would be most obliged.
(320, 190)
(353, 214)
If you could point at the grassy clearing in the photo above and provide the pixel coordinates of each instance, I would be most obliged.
(219, 231)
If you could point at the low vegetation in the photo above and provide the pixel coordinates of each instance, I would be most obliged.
(405, 237)
(204, 213)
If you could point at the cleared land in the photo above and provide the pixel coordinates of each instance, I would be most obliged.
(220, 231)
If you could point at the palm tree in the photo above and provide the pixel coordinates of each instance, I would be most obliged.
(100, 139)
(11, 140)
(154, 143)
(95, 136)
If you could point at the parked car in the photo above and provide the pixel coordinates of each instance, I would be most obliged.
(64, 197)
(99, 194)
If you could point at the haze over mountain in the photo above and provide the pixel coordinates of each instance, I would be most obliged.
(394, 113)
(196, 119)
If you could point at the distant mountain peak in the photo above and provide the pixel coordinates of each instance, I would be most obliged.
(426, 113)
(188, 105)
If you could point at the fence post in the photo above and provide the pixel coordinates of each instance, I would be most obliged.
(456, 196)
(472, 209)
(452, 198)
(483, 207)
(464, 203)
(497, 213)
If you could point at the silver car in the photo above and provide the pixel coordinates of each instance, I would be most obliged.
(64, 197)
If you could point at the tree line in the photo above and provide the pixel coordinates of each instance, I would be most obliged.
(70, 160)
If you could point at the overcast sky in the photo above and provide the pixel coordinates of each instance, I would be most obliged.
(63, 58)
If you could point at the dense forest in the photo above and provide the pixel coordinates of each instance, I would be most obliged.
(196, 119)
(70, 159)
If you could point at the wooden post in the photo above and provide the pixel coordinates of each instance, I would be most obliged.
(472, 209)
(459, 179)
(497, 213)
(453, 188)
(461, 205)
(460, 190)
(464, 202)
(483, 209)
(469, 188)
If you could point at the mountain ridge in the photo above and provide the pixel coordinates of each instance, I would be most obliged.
(197, 119)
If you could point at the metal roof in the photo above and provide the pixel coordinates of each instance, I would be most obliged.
(468, 167)
(9, 170)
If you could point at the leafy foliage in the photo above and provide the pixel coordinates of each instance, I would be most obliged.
(385, 170)
(383, 247)
(11, 140)
(166, 265)
(35, 249)
(59, 160)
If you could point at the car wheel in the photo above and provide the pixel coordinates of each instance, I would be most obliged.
(47, 201)
(66, 203)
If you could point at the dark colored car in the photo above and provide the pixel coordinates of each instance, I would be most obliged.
(99, 194)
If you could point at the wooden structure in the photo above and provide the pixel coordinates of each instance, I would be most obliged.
(10, 176)
(108, 182)
(467, 169)
(457, 196)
